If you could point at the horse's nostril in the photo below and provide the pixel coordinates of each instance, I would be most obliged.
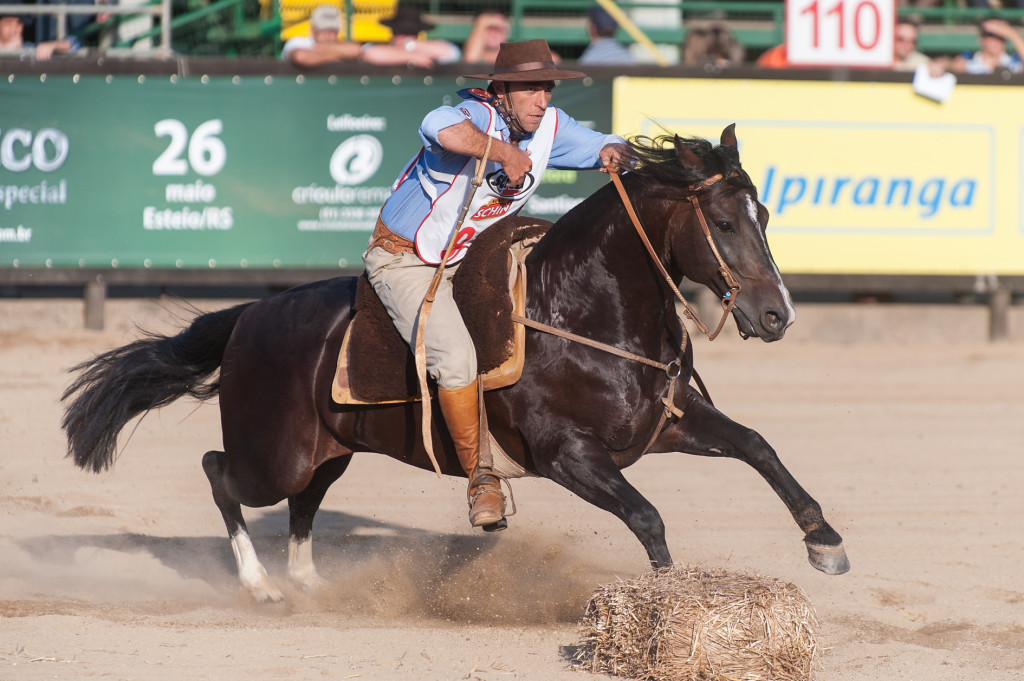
(771, 320)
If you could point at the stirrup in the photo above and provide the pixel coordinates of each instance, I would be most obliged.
(470, 498)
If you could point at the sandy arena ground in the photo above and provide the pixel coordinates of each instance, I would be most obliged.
(912, 445)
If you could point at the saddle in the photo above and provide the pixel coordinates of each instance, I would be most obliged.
(376, 366)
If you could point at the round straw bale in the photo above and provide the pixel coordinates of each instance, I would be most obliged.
(698, 624)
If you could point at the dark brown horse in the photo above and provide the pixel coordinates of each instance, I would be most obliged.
(577, 416)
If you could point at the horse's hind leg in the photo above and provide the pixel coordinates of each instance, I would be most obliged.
(251, 573)
(302, 507)
(708, 432)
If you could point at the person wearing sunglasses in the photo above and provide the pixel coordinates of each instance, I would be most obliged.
(993, 34)
(905, 54)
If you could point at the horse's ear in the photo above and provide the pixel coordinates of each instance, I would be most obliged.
(686, 155)
(729, 136)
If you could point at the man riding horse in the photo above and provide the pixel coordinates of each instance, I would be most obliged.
(415, 226)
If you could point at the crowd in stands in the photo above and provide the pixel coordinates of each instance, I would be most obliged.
(704, 44)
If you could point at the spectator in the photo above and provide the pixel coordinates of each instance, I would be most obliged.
(44, 26)
(905, 54)
(406, 47)
(321, 46)
(12, 40)
(603, 48)
(490, 30)
(714, 45)
(992, 36)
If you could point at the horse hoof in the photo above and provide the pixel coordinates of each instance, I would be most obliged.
(263, 591)
(830, 559)
(496, 527)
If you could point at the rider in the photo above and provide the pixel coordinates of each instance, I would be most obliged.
(417, 220)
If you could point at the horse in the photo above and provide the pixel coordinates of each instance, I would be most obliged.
(576, 416)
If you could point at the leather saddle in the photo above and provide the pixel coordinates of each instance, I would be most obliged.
(376, 366)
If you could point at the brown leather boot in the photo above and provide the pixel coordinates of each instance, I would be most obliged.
(461, 410)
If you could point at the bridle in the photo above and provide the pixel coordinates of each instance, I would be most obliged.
(729, 297)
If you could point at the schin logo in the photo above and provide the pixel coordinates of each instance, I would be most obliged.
(492, 209)
(499, 184)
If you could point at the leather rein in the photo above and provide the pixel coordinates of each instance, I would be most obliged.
(729, 298)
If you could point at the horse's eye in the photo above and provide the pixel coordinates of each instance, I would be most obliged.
(724, 226)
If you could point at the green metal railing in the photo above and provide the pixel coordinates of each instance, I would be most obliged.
(757, 24)
(236, 27)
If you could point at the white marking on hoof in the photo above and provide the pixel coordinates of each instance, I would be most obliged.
(301, 569)
(251, 573)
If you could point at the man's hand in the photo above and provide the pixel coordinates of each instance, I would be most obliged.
(615, 158)
(514, 161)
(465, 138)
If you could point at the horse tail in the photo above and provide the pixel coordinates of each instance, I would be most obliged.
(116, 386)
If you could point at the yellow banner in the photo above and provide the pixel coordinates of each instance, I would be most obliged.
(861, 177)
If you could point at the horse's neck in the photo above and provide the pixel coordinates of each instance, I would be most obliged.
(593, 264)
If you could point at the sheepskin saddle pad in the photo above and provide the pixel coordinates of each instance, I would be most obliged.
(375, 365)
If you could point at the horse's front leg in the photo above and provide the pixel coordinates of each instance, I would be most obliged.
(705, 431)
(586, 470)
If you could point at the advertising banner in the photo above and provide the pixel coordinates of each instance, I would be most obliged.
(861, 177)
(257, 172)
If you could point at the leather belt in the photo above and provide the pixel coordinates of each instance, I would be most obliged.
(389, 241)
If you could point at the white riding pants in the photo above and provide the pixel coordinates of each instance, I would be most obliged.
(401, 280)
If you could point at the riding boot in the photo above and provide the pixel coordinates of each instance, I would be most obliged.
(461, 409)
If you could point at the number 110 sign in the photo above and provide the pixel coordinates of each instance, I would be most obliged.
(840, 32)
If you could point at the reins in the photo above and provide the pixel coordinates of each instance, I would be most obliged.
(729, 298)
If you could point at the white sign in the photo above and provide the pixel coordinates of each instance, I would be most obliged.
(840, 32)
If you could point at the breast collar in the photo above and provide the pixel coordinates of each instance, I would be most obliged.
(481, 95)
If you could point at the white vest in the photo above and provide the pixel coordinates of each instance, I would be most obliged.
(491, 202)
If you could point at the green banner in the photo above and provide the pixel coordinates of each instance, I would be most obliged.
(258, 172)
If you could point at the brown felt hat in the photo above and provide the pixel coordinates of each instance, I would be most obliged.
(526, 61)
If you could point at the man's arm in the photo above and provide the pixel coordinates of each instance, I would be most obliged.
(466, 139)
(324, 53)
(577, 147)
(386, 54)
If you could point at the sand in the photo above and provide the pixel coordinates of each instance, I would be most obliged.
(913, 447)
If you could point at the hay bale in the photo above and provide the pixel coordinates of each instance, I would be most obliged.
(697, 624)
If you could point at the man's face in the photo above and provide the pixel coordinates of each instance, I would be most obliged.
(906, 40)
(10, 28)
(990, 42)
(327, 36)
(529, 100)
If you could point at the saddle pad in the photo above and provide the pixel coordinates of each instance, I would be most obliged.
(506, 373)
(376, 366)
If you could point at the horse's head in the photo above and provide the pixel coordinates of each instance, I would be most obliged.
(729, 253)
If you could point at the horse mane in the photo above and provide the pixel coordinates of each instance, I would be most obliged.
(658, 163)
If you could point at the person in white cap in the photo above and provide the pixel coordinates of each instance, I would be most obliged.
(416, 222)
(321, 46)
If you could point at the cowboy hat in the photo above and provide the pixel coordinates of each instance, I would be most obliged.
(407, 21)
(529, 61)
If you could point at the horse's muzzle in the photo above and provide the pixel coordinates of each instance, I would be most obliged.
(774, 324)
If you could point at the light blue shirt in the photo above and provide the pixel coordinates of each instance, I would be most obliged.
(977, 65)
(575, 147)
